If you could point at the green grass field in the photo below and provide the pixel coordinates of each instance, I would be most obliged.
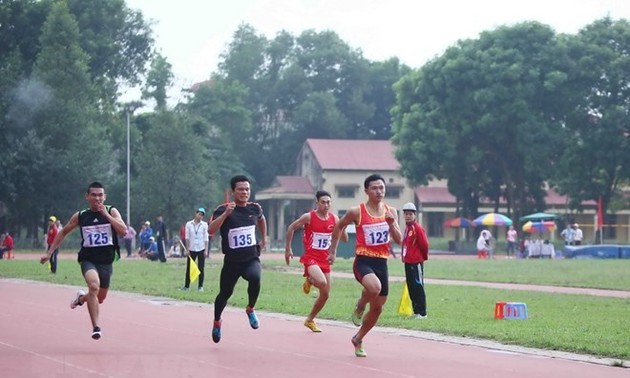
(573, 323)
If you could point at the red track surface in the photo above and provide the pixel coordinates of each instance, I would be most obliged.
(154, 337)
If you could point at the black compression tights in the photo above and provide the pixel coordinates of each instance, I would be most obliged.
(230, 273)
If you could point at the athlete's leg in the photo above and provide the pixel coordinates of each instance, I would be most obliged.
(227, 282)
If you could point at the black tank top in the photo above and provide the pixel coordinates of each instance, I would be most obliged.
(99, 241)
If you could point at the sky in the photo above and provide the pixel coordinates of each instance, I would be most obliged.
(192, 34)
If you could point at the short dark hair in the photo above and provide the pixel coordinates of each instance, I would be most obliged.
(95, 184)
(238, 178)
(370, 178)
(321, 193)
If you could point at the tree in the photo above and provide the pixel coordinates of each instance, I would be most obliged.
(159, 79)
(484, 115)
(596, 159)
(174, 175)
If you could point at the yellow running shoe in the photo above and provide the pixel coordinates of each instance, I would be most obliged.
(357, 316)
(358, 347)
(306, 287)
(310, 324)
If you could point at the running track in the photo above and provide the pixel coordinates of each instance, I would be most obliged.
(155, 337)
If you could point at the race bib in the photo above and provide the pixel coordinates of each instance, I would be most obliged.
(321, 240)
(99, 235)
(376, 233)
(242, 237)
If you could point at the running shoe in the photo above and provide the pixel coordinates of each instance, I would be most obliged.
(358, 347)
(357, 316)
(200, 288)
(77, 299)
(96, 333)
(216, 331)
(253, 319)
(306, 286)
(418, 316)
(310, 324)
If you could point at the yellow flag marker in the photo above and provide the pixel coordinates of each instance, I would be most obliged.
(194, 270)
(404, 308)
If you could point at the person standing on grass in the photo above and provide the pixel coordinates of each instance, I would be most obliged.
(376, 223)
(318, 225)
(100, 227)
(51, 233)
(415, 251)
(511, 242)
(237, 221)
(196, 237)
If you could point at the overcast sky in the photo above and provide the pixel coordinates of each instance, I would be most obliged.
(192, 34)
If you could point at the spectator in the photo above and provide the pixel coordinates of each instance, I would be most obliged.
(151, 252)
(129, 237)
(145, 235)
(6, 246)
(577, 234)
(511, 241)
(415, 251)
(161, 237)
(568, 235)
(51, 234)
(483, 244)
(196, 246)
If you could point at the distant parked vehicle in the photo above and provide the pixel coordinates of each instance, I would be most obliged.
(599, 251)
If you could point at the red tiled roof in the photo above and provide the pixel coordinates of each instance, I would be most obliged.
(290, 184)
(442, 195)
(340, 154)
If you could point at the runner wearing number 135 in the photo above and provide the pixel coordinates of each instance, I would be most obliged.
(237, 222)
(375, 223)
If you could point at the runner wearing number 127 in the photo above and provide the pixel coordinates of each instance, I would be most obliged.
(237, 221)
(375, 223)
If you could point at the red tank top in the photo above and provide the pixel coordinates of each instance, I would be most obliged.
(317, 233)
(372, 234)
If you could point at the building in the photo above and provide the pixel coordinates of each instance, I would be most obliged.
(340, 166)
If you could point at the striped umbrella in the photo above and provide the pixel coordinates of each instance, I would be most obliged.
(492, 219)
(459, 222)
(539, 227)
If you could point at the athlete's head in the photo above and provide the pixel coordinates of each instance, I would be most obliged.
(371, 178)
(237, 179)
(323, 201)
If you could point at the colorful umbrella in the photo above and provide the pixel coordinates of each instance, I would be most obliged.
(459, 222)
(538, 217)
(493, 219)
(539, 227)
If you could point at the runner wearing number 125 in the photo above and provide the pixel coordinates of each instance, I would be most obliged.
(237, 222)
(100, 227)
(375, 223)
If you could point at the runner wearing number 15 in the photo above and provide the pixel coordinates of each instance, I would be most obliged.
(237, 221)
(318, 225)
(375, 223)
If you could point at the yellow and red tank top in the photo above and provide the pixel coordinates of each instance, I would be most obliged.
(318, 233)
(372, 234)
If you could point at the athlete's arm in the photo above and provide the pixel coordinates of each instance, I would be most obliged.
(71, 225)
(351, 216)
(299, 223)
(394, 229)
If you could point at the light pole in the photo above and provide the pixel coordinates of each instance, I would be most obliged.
(128, 171)
(129, 108)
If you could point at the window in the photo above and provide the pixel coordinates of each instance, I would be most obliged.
(393, 192)
(346, 191)
(610, 227)
(435, 224)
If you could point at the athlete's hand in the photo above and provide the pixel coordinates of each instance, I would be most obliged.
(44, 258)
(391, 215)
(229, 207)
(288, 255)
(331, 258)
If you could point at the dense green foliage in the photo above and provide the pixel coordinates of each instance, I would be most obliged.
(498, 116)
